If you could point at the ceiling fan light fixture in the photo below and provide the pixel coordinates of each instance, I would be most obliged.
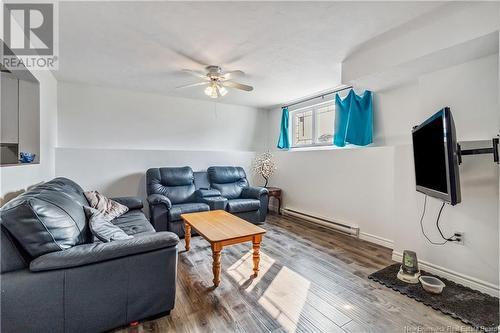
(217, 81)
(222, 91)
(211, 91)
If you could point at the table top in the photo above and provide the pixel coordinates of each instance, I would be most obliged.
(219, 225)
(272, 189)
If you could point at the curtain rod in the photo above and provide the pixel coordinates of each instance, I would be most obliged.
(317, 96)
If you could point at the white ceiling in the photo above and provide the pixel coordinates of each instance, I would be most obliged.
(288, 50)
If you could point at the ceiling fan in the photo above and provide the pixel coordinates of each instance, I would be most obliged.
(216, 80)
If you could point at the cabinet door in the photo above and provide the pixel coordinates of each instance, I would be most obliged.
(9, 109)
(29, 117)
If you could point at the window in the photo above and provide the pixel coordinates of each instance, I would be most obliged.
(313, 125)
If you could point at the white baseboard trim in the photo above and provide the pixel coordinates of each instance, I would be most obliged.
(377, 240)
(343, 226)
(323, 221)
(465, 280)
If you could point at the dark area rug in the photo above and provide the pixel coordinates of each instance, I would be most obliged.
(470, 306)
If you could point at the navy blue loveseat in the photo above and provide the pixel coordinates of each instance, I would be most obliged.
(176, 190)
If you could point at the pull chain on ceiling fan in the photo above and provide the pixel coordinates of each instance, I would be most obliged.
(217, 81)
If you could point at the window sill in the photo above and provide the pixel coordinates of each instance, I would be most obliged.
(328, 147)
(18, 164)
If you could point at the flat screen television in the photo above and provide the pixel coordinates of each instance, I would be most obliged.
(436, 159)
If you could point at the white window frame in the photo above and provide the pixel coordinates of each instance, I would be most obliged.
(314, 108)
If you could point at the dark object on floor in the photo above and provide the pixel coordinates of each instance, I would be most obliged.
(470, 306)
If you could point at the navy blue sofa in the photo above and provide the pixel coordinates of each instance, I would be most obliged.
(55, 279)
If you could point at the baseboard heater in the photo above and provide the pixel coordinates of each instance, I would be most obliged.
(348, 229)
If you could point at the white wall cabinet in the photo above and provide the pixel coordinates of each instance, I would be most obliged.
(19, 117)
(29, 117)
(9, 109)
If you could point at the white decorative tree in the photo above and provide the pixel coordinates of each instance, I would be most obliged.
(264, 166)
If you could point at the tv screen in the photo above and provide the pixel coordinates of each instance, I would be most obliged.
(435, 157)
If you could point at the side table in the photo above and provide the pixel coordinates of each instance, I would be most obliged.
(275, 192)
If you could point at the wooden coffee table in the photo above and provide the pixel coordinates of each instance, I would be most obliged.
(220, 229)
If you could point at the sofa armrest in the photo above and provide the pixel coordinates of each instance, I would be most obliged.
(215, 203)
(159, 199)
(207, 193)
(253, 192)
(130, 202)
(97, 252)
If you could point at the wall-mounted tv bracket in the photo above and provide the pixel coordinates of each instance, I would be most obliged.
(493, 150)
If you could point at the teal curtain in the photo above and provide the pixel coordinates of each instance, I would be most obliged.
(353, 119)
(284, 142)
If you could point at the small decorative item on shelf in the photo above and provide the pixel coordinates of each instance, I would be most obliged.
(25, 157)
(264, 166)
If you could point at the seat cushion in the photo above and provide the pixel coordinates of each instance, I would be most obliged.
(133, 222)
(230, 181)
(177, 184)
(48, 217)
(175, 212)
(101, 228)
(242, 205)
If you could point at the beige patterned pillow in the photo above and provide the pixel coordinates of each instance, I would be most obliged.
(109, 208)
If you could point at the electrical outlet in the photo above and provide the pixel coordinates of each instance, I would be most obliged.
(459, 235)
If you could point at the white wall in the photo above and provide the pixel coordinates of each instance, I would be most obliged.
(419, 43)
(15, 179)
(374, 187)
(351, 186)
(476, 216)
(100, 117)
(348, 185)
(108, 138)
(122, 172)
(471, 92)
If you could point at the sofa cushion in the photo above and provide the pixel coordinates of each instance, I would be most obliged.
(102, 229)
(201, 179)
(242, 205)
(175, 212)
(130, 202)
(48, 217)
(177, 184)
(110, 209)
(228, 180)
(177, 176)
(98, 252)
(133, 222)
(12, 257)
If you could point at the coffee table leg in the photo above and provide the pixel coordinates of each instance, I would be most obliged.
(187, 235)
(216, 249)
(257, 239)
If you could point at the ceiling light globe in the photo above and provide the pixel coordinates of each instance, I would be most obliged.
(222, 91)
(209, 91)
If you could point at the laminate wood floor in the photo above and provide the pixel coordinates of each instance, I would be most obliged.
(311, 279)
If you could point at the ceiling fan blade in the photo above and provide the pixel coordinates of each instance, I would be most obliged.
(194, 59)
(193, 85)
(228, 75)
(196, 73)
(218, 91)
(237, 85)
